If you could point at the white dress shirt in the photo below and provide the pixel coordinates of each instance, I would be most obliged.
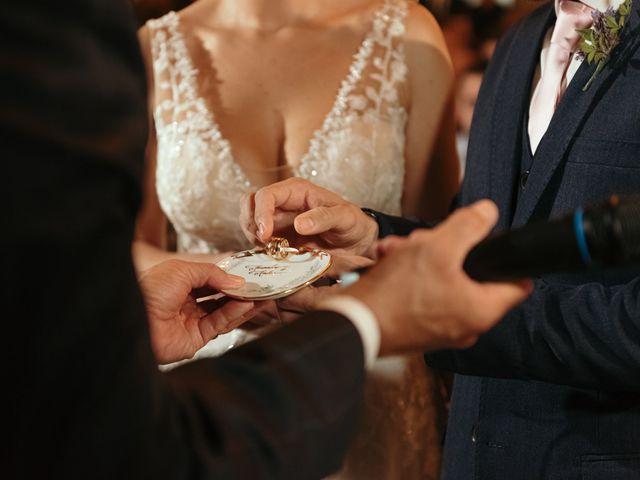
(576, 61)
(362, 318)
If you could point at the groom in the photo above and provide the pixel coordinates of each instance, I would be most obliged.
(552, 392)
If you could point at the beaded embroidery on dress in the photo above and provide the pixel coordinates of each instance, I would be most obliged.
(357, 152)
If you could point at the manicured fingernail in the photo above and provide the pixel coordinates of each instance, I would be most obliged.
(260, 229)
(235, 280)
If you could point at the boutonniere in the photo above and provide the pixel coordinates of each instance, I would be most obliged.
(604, 35)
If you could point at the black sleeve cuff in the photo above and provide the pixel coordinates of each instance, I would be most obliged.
(389, 225)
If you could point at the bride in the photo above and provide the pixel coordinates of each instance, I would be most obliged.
(350, 94)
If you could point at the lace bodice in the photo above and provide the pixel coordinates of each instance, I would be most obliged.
(358, 151)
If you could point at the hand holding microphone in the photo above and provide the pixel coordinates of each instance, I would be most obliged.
(602, 236)
(606, 235)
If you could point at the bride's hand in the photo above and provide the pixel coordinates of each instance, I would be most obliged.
(179, 326)
(307, 214)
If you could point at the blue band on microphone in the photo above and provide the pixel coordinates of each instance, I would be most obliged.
(578, 225)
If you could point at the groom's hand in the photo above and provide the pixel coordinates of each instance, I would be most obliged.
(179, 326)
(306, 214)
(420, 293)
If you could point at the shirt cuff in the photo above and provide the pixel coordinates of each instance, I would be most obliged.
(362, 318)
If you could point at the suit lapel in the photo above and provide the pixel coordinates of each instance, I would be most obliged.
(574, 108)
(506, 141)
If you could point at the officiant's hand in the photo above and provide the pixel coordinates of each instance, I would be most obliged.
(178, 325)
(420, 293)
(307, 214)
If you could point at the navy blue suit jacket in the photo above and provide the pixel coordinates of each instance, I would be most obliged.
(553, 392)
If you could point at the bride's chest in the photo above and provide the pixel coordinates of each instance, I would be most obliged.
(235, 114)
(269, 99)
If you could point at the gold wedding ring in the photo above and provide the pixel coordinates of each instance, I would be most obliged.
(278, 248)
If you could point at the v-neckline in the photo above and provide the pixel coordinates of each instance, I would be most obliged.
(340, 104)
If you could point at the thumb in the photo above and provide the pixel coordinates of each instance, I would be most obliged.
(389, 244)
(324, 219)
(209, 275)
(468, 225)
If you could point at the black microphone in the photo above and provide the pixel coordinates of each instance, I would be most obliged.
(602, 236)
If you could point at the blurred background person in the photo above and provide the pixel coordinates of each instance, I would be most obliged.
(466, 93)
(472, 29)
(461, 41)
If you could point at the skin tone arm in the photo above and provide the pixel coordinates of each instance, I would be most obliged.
(432, 168)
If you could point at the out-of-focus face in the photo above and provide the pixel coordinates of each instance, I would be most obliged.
(458, 35)
(487, 48)
(466, 95)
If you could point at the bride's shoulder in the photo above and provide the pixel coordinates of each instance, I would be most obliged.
(422, 27)
(199, 12)
(153, 24)
(424, 43)
(427, 58)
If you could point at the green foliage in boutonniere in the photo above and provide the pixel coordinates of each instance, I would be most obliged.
(604, 35)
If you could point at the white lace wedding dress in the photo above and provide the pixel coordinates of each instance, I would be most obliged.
(358, 153)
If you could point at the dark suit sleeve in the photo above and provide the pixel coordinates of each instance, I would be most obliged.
(284, 406)
(585, 335)
(83, 395)
(390, 225)
(402, 226)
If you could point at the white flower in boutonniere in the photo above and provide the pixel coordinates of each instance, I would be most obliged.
(604, 35)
